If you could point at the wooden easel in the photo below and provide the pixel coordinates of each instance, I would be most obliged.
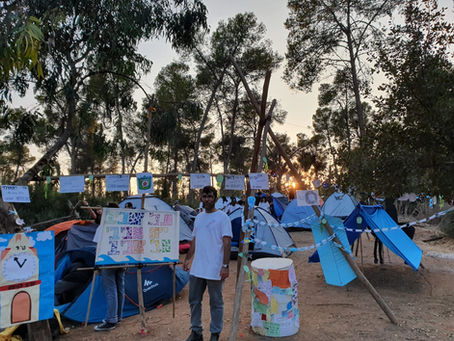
(139, 285)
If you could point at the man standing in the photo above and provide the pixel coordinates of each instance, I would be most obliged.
(211, 249)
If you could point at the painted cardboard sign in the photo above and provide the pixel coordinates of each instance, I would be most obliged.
(26, 277)
(138, 236)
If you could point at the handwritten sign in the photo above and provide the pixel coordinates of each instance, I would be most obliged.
(138, 236)
(15, 193)
(234, 182)
(307, 198)
(26, 277)
(259, 181)
(116, 183)
(200, 180)
(144, 183)
(72, 184)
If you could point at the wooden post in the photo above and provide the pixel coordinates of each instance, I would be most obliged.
(239, 284)
(173, 293)
(91, 296)
(295, 173)
(358, 272)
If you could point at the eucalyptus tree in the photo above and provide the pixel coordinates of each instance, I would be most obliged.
(20, 41)
(416, 111)
(85, 38)
(327, 35)
(175, 124)
(243, 38)
(112, 97)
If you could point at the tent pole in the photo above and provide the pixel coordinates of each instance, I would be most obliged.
(91, 296)
(140, 293)
(361, 245)
(173, 293)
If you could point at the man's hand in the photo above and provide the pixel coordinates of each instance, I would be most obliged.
(224, 273)
(186, 266)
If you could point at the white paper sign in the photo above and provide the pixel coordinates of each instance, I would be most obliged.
(15, 193)
(259, 181)
(116, 183)
(129, 236)
(234, 182)
(307, 198)
(72, 184)
(200, 180)
(144, 183)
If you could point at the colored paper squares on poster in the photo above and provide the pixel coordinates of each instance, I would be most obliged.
(272, 329)
(280, 278)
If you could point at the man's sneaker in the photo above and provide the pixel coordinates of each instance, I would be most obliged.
(105, 326)
(214, 337)
(195, 337)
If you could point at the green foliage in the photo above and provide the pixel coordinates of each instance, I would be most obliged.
(412, 133)
(57, 205)
(89, 38)
(20, 39)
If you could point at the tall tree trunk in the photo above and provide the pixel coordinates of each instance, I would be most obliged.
(232, 125)
(203, 122)
(359, 106)
(44, 160)
(262, 120)
(120, 134)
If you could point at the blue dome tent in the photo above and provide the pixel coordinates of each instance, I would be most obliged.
(339, 205)
(304, 215)
(270, 235)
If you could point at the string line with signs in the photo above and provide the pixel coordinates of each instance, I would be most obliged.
(249, 226)
(309, 218)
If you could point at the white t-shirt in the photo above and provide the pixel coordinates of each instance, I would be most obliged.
(209, 228)
(232, 208)
(265, 205)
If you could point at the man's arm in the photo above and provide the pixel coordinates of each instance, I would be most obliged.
(189, 255)
(226, 260)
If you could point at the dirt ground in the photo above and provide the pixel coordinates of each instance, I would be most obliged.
(422, 301)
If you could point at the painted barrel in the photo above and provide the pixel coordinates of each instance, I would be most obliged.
(274, 301)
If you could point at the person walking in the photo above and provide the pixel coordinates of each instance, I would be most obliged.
(113, 284)
(210, 247)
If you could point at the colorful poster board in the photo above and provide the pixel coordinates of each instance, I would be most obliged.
(234, 182)
(144, 183)
(259, 181)
(26, 277)
(274, 290)
(72, 184)
(12, 193)
(200, 180)
(117, 183)
(307, 198)
(130, 236)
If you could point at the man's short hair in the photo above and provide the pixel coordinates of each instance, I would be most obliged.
(208, 190)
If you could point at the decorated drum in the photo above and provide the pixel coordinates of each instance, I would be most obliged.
(274, 292)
